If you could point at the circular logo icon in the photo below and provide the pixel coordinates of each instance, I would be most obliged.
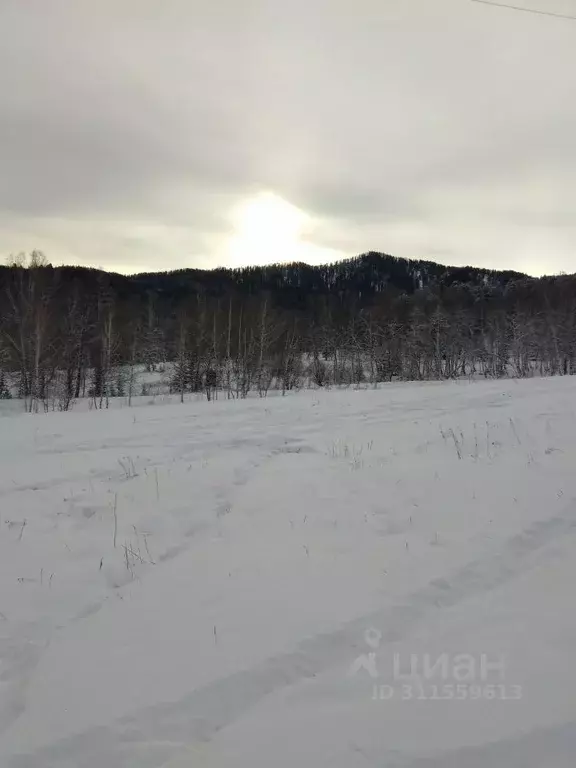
(372, 637)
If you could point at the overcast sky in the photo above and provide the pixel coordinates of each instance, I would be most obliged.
(158, 134)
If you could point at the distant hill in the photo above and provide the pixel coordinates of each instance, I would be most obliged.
(362, 276)
(359, 278)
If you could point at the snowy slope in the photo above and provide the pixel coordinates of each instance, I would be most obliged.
(250, 583)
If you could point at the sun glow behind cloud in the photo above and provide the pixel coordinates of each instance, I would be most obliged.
(267, 229)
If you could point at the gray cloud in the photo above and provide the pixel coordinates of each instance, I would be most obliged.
(130, 130)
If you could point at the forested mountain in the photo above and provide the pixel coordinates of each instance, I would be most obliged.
(358, 278)
(67, 332)
(292, 284)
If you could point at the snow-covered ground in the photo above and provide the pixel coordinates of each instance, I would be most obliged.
(248, 583)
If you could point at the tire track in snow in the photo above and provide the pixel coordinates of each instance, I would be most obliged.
(198, 717)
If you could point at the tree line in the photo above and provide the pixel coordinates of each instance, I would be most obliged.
(68, 333)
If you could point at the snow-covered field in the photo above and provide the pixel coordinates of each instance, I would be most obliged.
(248, 583)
